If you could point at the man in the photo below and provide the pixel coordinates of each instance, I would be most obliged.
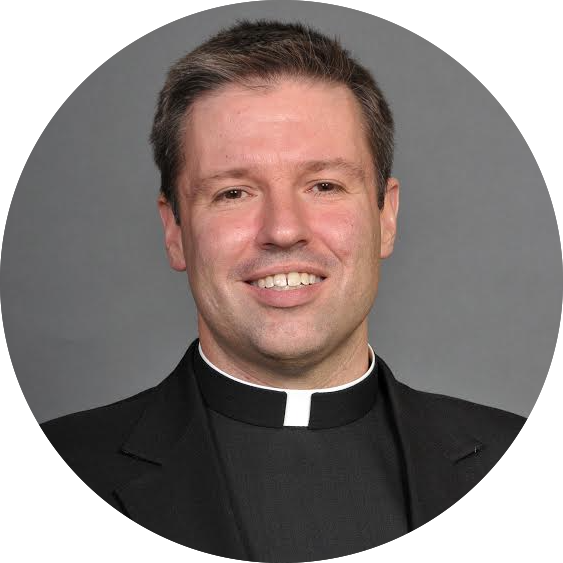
(280, 436)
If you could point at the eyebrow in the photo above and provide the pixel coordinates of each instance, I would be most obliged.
(310, 166)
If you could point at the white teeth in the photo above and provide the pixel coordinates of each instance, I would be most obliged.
(282, 282)
(293, 279)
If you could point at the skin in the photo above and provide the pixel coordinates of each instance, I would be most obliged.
(297, 158)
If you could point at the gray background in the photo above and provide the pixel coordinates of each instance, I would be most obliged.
(469, 304)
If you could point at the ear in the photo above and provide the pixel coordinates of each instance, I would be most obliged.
(388, 217)
(172, 235)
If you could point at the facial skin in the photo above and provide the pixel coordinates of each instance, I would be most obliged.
(280, 179)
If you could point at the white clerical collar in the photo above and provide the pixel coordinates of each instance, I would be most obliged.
(298, 401)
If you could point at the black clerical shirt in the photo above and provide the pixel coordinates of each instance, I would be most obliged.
(311, 475)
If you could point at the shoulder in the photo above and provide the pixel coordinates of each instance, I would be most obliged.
(463, 409)
(97, 427)
(90, 442)
(442, 415)
(453, 415)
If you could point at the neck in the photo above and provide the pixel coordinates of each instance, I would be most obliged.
(340, 365)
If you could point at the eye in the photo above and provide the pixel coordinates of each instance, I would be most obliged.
(232, 194)
(326, 187)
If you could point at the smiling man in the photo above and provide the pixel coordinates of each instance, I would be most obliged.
(280, 230)
(281, 435)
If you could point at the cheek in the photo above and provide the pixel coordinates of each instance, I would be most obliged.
(351, 233)
(215, 243)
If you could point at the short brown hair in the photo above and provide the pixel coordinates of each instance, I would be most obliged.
(264, 50)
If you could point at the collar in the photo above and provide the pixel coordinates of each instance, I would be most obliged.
(262, 405)
(183, 481)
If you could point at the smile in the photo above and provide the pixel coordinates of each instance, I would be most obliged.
(286, 282)
(282, 296)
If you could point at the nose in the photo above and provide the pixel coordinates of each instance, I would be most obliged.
(284, 221)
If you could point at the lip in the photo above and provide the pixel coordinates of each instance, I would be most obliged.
(285, 269)
(284, 299)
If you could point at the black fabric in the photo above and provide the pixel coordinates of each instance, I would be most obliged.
(266, 407)
(342, 407)
(326, 490)
(306, 494)
(254, 405)
(153, 457)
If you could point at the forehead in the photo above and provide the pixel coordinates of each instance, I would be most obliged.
(273, 126)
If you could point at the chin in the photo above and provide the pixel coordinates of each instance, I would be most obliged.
(288, 346)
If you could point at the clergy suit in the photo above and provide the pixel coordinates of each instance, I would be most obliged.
(258, 474)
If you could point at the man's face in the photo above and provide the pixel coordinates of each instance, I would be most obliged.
(280, 180)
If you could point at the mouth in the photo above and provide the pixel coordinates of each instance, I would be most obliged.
(286, 281)
(296, 287)
(289, 281)
(286, 290)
